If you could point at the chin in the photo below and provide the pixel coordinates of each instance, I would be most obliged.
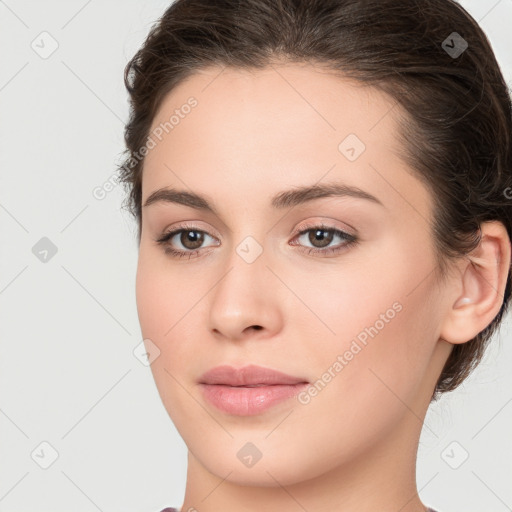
(275, 468)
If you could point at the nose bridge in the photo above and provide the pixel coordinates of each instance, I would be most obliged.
(247, 265)
(249, 242)
(246, 294)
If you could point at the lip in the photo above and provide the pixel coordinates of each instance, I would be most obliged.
(249, 390)
(250, 375)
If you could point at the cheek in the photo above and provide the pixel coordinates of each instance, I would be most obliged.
(154, 297)
(378, 322)
(162, 305)
(368, 375)
(164, 296)
(169, 302)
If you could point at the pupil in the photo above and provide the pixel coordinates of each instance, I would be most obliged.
(319, 236)
(192, 237)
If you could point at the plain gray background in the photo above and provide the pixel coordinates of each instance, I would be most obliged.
(68, 376)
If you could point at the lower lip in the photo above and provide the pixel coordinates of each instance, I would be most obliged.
(245, 401)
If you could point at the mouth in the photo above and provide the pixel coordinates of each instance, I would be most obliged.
(248, 376)
(250, 390)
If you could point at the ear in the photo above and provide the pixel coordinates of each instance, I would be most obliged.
(479, 290)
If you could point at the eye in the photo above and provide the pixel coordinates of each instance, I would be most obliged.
(321, 236)
(190, 237)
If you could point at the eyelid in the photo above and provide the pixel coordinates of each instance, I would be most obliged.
(193, 225)
(318, 223)
(173, 230)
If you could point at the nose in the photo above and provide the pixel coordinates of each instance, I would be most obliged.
(246, 302)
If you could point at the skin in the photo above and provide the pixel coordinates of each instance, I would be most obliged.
(353, 446)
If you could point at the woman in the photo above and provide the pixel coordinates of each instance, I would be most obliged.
(324, 236)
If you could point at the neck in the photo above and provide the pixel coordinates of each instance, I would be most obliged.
(383, 477)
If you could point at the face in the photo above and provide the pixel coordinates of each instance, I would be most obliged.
(335, 288)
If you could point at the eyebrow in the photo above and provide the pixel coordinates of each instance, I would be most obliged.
(284, 199)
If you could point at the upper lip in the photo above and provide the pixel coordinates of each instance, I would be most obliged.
(250, 375)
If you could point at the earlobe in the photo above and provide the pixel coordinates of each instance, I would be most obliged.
(480, 290)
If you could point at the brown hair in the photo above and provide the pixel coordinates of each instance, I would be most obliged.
(457, 127)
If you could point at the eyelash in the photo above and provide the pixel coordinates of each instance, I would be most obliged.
(350, 240)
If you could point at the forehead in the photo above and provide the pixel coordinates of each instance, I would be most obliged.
(261, 130)
(275, 98)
